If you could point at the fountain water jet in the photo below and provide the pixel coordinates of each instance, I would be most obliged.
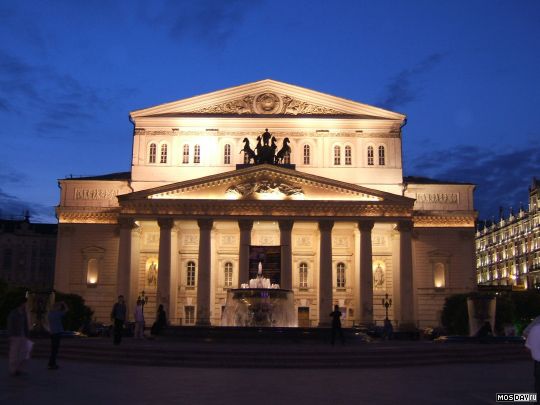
(259, 304)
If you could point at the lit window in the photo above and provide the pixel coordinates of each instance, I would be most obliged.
(337, 155)
(163, 156)
(92, 272)
(227, 154)
(246, 158)
(190, 281)
(307, 155)
(152, 153)
(381, 155)
(340, 273)
(228, 274)
(185, 154)
(197, 154)
(370, 156)
(438, 275)
(303, 275)
(189, 311)
(348, 155)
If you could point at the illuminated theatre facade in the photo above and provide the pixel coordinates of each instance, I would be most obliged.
(335, 220)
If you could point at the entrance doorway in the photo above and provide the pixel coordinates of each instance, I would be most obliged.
(303, 317)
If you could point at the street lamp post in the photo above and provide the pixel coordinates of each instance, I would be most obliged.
(386, 303)
(143, 299)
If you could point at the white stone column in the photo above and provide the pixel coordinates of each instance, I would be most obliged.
(325, 272)
(123, 275)
(285, 231)
(245, 226)
(164, 265)
(134, 290)
(173, 292)
(406, 291)
(366, 272)
(204, 271)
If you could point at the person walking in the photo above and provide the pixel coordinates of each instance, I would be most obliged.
(56, 328)
(532, 333)
(19, 344)
(118, 316)
(139, 320)
(336, 325)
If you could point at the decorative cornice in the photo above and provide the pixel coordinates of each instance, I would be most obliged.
(267, 208)
(454, 221)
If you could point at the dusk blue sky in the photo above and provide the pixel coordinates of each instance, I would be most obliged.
(466, 74)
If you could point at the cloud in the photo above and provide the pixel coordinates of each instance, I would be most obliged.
(403, 88)
(13, 207)
(502, 176)
(58, 101)
(210, 21)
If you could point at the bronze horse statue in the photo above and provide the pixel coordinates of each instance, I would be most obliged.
(284, 151)
(248, 151)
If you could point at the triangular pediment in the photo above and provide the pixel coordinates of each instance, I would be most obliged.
(267, 182)
(267, 98)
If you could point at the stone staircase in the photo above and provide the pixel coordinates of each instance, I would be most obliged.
(202, 350)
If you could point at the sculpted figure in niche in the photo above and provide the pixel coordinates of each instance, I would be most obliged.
(151, 275)
(378, 276)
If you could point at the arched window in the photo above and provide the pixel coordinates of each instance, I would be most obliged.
(228, 274)
(163, 156)
(370, 156)
(190, 280)
(337, 155)
(307, 155)
(246, 158)
(381, 155)
(340, 274)
(197, 154)
(185, 154)
(227, 154)
(348, 155)
(303, 275)
(152, 153)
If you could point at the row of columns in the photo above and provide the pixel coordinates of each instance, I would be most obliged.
(167, 292)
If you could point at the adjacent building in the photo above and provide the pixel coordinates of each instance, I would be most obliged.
(27, 253)
(326, 210)
(508, 250)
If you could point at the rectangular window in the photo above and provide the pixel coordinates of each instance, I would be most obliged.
(185, 155)
(227, 155)
(189, 311)
(337, 155)
(348, 155)
(197, 154)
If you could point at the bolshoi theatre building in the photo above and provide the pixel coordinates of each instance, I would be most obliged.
(306, 185)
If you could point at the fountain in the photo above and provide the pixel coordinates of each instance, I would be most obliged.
(259, 303)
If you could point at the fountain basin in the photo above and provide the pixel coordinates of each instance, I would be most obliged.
(259, 307)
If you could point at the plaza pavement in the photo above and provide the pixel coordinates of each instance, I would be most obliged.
(83, 383)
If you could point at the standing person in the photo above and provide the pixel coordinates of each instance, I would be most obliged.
(17, 326)
(533, 344)
(139, 320)
(56, 329)
(161, 321)
(336, 325)
(118, 316)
